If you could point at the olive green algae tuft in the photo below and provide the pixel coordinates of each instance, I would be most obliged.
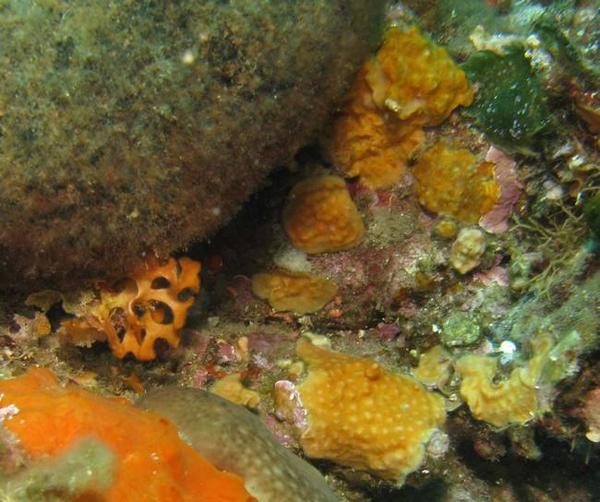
(129, 128)
(591, 210)
(510, 105)
(87, 465)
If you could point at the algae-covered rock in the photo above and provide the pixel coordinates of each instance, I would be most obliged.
(135, 127)
(510, 104)
(459, 329)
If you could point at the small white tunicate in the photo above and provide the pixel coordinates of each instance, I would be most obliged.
(507, 347)
(188, 57)
(533, 41)
(507, 350)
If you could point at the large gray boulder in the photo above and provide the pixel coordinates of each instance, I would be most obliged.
(129, 128)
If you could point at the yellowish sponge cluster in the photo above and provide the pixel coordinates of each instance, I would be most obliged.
(434, 367)
(297, 292)
(368, 144)
(362, 416)
(450, 182)
(320, 216)
(512, 401)
(409, 84)
(416, 80)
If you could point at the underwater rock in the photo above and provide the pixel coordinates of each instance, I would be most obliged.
(459, 329)
(134, 128)
(234, 439)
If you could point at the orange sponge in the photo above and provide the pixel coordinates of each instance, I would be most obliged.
(321, 217)
(450, 182)
(150, 306)
(297, 292)
(154, 464)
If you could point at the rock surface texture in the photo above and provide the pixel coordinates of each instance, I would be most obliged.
(235, 440)
(134, 128)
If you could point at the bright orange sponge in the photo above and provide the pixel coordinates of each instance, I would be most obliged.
(150, 306)
(154, 464)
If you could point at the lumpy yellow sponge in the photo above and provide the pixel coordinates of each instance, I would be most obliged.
(320, 216)
(512, 401)
(363, 416)
(370, 144)
(450, 182)
(408, 85)
(298, 292)
(416, 80)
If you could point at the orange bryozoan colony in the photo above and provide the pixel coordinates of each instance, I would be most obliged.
(320, 216)
(149, 307)
(363, 416)
(408, 85)
(451, 182)
(296, 292)
(153, 463)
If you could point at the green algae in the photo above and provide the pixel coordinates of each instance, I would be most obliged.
(87, 465)
(510, 105)
(591, 210)
(570, 55)
(459, 329)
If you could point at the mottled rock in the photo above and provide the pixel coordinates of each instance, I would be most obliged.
(233, 439)
(131, 128)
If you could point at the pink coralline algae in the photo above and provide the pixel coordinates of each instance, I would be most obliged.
(505, 174)
(226, 353)
(388, 332)
(288, 406)
(497, 274)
